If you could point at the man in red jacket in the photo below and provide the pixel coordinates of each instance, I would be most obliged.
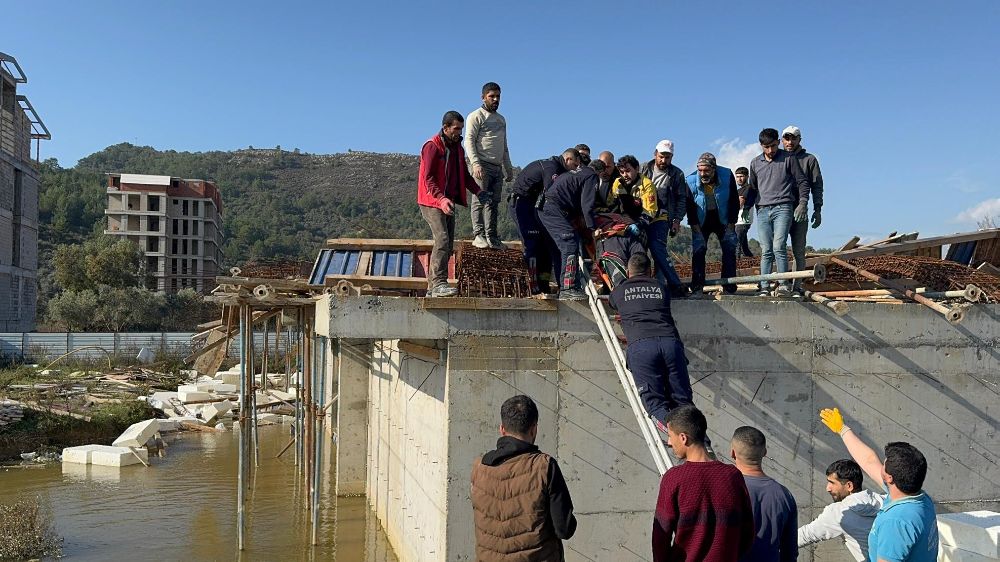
(443, 180)
(703, 506)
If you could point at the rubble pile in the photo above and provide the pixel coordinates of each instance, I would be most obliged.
(11, 411)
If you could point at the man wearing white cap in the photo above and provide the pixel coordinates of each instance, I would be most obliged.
(791, 138)
(671, 195)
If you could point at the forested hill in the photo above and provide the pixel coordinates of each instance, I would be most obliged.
(276, 203)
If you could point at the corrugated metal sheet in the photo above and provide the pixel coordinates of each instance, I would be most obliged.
(392, 264)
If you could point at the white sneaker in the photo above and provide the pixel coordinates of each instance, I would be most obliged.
(443, 291)
(782, 291)
(481, 242)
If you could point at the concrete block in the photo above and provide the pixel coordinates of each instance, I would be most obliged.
(117, 456)
(289, 396)
(167, 426)
(138, 434)
(193, 396)
(949, 553)
(974, 531)
(227, 377)
(78, 455)
(212, 412)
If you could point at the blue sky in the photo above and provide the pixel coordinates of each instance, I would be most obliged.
(897, 99)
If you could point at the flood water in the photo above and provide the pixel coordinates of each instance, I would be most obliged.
(184, 506)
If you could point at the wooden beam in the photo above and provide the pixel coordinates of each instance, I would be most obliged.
(850, 244)
(418, 350)
(475, 303)
(277, 284)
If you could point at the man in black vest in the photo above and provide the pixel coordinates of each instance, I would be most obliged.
(569, 201)
(655, 353)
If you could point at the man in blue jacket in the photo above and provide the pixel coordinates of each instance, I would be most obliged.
(569, 201)
(713, 206)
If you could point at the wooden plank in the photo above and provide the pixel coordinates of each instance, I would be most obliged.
(364, 263)
(258, 317)
(850, 244)
(384, 282)
(277, 284)
(475, 303)
(422, 351)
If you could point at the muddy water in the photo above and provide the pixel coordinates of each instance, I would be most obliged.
(184, 507)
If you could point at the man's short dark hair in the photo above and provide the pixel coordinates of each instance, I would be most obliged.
(750, 444)
(638, 264)
(630, 160)
(597, 165)
(573, 151)
(519, 414)
(906, 465)
(452, 117)
(846, 470)
(491, 87)
(688, 420)
(582, 147)
(768, 135)
(742, 170)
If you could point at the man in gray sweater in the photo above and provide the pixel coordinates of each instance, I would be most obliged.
(776, 184)
(791, 139)
(489, 162)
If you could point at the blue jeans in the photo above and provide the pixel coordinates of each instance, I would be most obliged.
(773, 224)
(657, 233)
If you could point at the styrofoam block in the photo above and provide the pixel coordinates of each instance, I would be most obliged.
(269, 418)
(193, 396)
(117, 456)
(948, 553)
(218, 387)
(286, 396)
(189, 419)
(188, 388)
(972, 531)
(137, 434)
(78, 455)
(166, 426)
(212, 412)
(228, 378)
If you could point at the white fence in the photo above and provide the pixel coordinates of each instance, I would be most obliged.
(35, 346)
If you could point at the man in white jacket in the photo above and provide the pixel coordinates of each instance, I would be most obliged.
(851, 514)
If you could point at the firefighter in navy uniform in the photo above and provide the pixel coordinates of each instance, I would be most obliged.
(568, 202)
(537, 247)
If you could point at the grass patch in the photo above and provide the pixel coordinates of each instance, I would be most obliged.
(27, 531)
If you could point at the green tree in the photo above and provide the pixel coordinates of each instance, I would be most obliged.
(68, 262)
(122, 308)
(73, 310)
(117, 264)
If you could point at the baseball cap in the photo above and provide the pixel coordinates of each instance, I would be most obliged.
(665, 146)
(791, 130)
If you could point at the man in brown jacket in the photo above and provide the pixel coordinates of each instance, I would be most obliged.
(522, 506)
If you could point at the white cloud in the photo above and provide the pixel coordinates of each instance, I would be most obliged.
(985, 209)
(734, 153)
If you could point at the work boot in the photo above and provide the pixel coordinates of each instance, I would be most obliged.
(572, 295)
(481, 242)
(496, 244)
(782, 291)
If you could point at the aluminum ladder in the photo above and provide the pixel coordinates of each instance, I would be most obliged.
(649, 432)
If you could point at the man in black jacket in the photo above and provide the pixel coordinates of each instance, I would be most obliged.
(533, 180)
(655, 353)
(568, 201)
(520, 501)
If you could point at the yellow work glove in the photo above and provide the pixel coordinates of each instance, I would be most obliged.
(833, 419)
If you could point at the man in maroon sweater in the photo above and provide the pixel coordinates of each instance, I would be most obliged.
(703, 506)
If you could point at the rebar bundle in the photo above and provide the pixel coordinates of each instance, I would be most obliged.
(492, 273)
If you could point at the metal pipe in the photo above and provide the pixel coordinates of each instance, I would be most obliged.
(971, 293)
(317, 479)
(954, 315)
(240, 421)
(817, 273)
(840, 308)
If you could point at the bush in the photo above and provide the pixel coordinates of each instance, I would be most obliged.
(27, 531)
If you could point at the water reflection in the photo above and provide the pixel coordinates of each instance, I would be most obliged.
(184, 506)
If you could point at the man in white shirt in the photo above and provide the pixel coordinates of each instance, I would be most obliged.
(851, 514)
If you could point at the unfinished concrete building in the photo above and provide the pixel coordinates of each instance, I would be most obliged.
(177, 223)
(19, 181)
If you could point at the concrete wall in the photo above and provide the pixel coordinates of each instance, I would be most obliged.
(898, 372)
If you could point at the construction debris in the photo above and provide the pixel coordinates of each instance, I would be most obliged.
(11, 411)
(492, 273)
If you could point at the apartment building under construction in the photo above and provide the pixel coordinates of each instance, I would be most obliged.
(19, 181)
(176, 222)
